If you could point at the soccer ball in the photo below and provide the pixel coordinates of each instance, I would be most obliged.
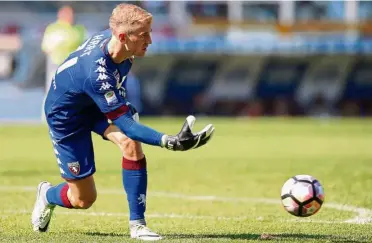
(302, 195)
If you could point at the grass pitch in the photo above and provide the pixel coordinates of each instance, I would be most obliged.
(228, 191)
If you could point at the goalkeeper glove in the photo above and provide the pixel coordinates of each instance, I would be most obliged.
(185, 139)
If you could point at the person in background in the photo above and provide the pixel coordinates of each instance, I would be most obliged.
(60, 39)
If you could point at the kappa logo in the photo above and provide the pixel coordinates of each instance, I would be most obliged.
(74, 168)
(100, 69)
(62, 171)
(118, 85)
(101, 61)
(102, 76)
(105, 86)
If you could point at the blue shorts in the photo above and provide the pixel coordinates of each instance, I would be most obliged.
(75, 155)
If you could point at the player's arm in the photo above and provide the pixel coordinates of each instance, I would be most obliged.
(102, 89)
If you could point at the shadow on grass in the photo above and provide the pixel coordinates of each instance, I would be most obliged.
(263, 237)
(106, 234)
(293, 237)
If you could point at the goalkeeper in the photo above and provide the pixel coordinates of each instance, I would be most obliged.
(87, 91)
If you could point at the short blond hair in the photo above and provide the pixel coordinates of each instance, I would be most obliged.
(128, 17)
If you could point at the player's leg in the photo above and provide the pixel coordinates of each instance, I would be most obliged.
(134, 176)
(134, 172)
(79, 194)
(75, 159)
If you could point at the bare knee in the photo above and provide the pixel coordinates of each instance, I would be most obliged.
(82, 193)
(83, 203)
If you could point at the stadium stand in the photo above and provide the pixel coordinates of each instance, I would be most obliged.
(226, 58)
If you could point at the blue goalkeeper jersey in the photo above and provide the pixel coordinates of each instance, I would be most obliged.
(86, 85)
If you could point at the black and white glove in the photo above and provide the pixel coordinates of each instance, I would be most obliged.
(185, 139)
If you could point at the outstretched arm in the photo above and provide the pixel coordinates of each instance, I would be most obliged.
(102, 89)
(123, 119)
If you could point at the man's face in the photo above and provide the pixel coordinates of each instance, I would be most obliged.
(138, 41)
(66, 14)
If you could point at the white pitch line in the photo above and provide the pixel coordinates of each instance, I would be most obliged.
(364, 215)
(117, 214)
(160, 215)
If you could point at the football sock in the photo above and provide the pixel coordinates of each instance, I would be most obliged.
(135, 185)
(57, 195)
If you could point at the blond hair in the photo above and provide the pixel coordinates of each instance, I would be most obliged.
(128, 17)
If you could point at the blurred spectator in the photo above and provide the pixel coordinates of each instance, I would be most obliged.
(60, 39)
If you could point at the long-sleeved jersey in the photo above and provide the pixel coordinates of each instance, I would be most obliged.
(87, 85)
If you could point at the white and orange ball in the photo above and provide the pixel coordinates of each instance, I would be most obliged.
(302, 195)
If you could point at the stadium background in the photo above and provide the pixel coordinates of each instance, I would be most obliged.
(226, 58)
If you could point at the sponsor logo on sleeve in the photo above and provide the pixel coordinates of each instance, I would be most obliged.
(111, 98)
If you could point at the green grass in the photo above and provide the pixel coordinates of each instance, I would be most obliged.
(244, 167)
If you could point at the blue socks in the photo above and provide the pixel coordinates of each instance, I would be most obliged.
(57, 195)
(135, 185)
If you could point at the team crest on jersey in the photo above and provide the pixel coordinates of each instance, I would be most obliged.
(111, 98)
(74, 168)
